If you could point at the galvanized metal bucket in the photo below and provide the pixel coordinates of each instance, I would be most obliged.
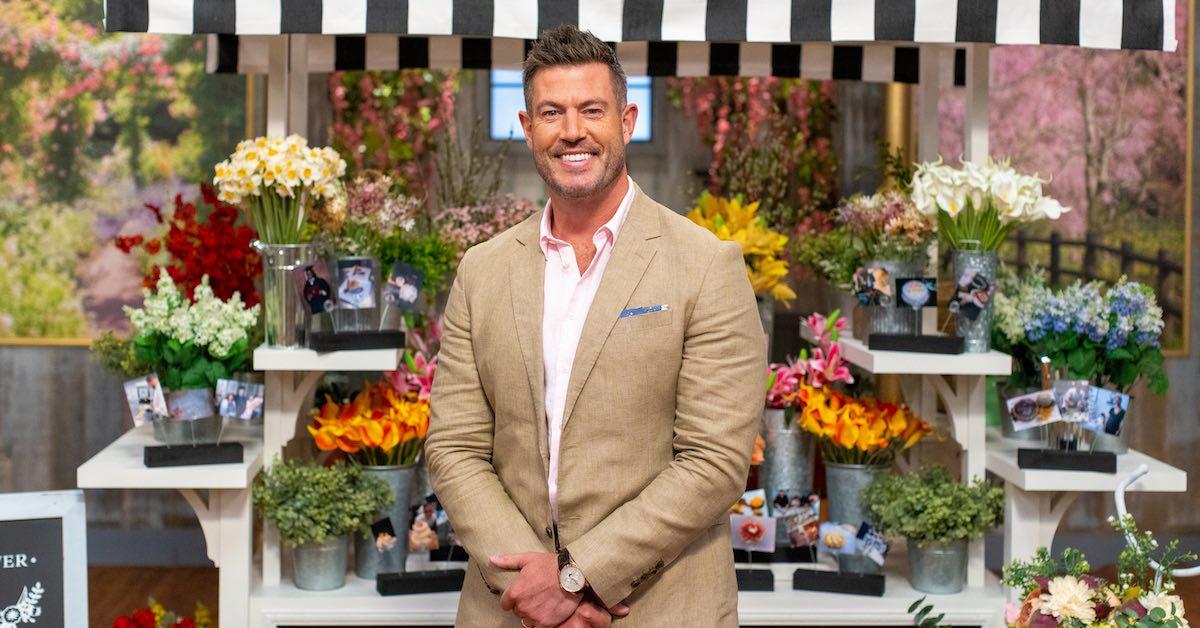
(938, 568)
(371, 558)
(321, 566)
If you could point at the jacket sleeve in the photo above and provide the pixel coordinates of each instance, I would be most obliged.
(719, 402)
(459, 449)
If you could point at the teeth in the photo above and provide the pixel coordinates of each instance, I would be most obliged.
(576, 157)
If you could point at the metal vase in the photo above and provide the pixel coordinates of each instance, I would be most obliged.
(789, 456)
(369, 560)
(321, 566)
(938, 568)
(894, 317)
(977, 333)
(844, 484)
(283, 309)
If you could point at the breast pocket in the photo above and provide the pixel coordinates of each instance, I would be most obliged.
(642, 322)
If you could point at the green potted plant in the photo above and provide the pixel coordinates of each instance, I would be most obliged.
(938, 515)
(315, 508)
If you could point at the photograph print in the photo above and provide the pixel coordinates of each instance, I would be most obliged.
(1106, 411)
(972, 292)
(240, 400)
(146, 399)
(403, 287)
(356, 283)
(312, 280)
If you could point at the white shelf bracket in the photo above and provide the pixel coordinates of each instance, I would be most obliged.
(209, 516)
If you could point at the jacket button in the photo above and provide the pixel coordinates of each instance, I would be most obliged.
(658, 566)
(635, 583)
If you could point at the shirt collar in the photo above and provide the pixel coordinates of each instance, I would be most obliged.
(611, 228)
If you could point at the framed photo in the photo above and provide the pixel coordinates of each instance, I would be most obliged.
(1033, 410)
(240, 400)
(1072, 396)
(312, 282)
(1106, 411)
(753, 534)
(43, 559)
(972, 292)
(146, 400)
(403, 287)
(356, 283)
(873, 286)
(917, 292)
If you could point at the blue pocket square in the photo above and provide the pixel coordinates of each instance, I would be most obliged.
(646, 309)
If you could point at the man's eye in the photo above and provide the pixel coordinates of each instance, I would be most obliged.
(593, 111)
(550, 114)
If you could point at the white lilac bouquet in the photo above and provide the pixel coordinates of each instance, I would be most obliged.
(885, 226)
(191, 344)
(980, 202)
(276, 180)
(354, 220)
(1111, 337)
(1062, 592)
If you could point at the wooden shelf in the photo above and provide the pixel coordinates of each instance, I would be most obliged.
(1002, 461)
(268, 359)
(120, 464)
(855, 351)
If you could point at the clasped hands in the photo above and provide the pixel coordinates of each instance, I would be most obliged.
(538, 599)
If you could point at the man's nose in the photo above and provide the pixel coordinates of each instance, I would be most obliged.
(572, 128)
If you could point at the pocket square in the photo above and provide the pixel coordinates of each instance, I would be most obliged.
(646, 309)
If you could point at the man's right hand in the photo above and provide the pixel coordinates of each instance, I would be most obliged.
(593, 615)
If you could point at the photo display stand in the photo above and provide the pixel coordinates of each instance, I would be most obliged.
(1068, 418)
(839, 582)
(429, 581)
(193, 453)
(754, 534)
(849, 544)
(399, 295)
(916, 293)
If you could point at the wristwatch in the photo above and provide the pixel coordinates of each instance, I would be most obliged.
(570, 577)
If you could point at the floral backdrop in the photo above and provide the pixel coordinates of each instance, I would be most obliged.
(92, 126)
(1110, 130)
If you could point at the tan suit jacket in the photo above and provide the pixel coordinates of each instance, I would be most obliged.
(658, 427)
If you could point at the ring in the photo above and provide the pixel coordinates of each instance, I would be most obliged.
(525, 625)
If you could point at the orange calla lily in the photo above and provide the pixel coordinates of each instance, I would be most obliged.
(853, 431)
(379, 426)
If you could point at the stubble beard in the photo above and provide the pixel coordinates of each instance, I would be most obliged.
(614, 163)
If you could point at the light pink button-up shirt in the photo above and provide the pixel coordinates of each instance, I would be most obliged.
(568, 297)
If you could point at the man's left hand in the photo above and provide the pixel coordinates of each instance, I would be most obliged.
(536, 596)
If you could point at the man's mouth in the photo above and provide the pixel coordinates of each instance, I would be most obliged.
(577, 158)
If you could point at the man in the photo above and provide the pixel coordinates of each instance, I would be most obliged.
(599, 386)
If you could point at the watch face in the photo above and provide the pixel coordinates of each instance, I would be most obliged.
(571, 579)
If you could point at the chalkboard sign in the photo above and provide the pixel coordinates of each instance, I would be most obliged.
(43, 559)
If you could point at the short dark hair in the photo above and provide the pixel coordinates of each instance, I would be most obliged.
(567, 45)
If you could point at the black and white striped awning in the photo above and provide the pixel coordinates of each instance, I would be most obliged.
(1128, 24)
(875, 62)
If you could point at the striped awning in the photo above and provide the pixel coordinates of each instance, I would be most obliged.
(875, 62)
(1115, 24)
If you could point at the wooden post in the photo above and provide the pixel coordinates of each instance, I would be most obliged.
(1163, 269)
(1055, 261)
(1126, 257)
(1021, 249)
(1087, 273)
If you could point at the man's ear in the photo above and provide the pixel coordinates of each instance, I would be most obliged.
(526, 127)
(628, 121)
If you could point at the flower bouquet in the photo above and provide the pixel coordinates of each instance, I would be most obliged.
(383, 430)
(1108, 336)
(1062, 592)
(354, 220)
(155, 615)
(276, 180)
(980, 203)
(735, 221)
(858, 431)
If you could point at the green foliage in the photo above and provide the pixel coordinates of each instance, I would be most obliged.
(40, 248)
(118, 356)
(1141, 548)
(931, 506)
(183, 365)
(897, 166)
(830, 255)
(429, 254)
(1020, 574)
(921, 614)
(310, 503)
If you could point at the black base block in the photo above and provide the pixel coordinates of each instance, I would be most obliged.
(449, 553)
(323, 342)
(784, 555)
(187, 455)
(1059, 460)
(833, 582)
(915, 344)
(755, 580)
(420, 582)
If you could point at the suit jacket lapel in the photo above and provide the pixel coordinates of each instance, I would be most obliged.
(630, 258)
(527, 274)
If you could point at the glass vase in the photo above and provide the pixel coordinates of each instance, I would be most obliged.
(971, 302)
(284, 312)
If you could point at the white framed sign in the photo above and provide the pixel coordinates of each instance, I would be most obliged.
(43, 559)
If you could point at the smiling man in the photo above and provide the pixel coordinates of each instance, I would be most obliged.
(599, 384)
